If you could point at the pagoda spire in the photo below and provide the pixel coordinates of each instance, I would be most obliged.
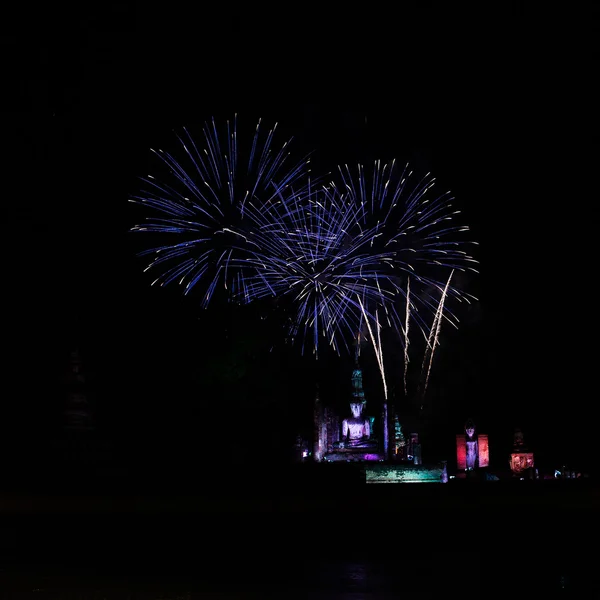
(358, 394)
(319, 435)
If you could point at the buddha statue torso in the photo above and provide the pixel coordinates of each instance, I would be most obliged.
(356, 430)
(472, 450)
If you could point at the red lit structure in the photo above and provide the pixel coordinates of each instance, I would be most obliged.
(461, 452)
(519, 461)
(472, 450)
(521, 458)
(484, 450)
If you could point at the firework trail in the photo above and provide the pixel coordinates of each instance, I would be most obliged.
(379, 353)
(378, 349)
(201, 201)
(433, 340)
(376, 344)
(406, 323)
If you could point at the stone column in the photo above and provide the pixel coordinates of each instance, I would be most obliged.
(386, 432)
(318, 428)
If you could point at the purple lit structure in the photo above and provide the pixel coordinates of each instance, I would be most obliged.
(358, 436)
(357, 441)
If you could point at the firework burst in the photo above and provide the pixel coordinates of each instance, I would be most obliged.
(373, 247)
(202, 204)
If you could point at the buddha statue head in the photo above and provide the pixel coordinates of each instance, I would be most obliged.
(470, 429)
(356, 408)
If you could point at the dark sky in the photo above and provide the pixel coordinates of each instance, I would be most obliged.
(491, 101)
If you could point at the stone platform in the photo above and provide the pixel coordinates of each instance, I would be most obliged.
(354, 455)
(403, 473)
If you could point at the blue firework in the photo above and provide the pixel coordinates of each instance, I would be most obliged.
(200, 203)
(248, 220)
(344, 252)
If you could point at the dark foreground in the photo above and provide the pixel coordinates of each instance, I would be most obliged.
(315, 540)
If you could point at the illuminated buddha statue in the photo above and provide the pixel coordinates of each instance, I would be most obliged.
(471, 443)
(356, 430)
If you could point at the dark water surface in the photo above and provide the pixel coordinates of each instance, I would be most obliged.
(431, 576)
(377, 543)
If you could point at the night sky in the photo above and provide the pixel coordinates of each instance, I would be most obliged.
(490, 101)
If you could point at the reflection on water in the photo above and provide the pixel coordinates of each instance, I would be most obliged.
(333, 580)
(390, 549)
